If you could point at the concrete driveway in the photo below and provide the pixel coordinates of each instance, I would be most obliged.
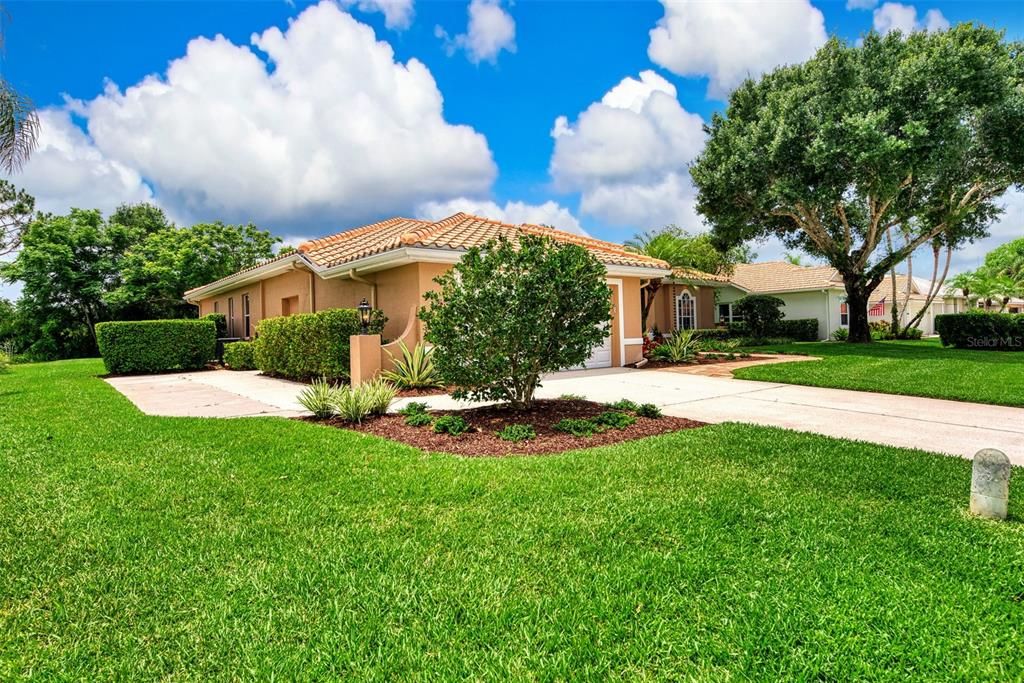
(933, 425)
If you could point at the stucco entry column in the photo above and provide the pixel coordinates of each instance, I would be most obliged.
(365, 357)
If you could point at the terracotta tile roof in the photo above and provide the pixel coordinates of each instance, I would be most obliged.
(694, 274)
(458, 232)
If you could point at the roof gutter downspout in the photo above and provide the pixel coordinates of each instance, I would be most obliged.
(353, 275)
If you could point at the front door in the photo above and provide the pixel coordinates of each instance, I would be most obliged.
(686, 312)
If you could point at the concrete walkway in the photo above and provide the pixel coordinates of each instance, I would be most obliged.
(933, 425)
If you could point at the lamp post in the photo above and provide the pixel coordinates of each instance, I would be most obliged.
(364, 317)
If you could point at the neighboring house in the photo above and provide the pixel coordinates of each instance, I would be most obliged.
(690, 298)
(393, 262)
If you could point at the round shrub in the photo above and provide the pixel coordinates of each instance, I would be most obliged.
(451, 424)
(517, 432)
(418, 419)
(760, 313)
(156, 345)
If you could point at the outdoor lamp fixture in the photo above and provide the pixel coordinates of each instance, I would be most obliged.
(364, 317)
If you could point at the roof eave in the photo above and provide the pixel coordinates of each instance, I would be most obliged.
(245, 277)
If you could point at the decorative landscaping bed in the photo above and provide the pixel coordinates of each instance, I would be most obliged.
(485, 422)
(702, 359)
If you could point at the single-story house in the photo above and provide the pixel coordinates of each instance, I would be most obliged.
(689, 298)
(393, 262)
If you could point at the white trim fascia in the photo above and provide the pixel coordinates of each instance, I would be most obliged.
(239, 279)
(693, 281)
(633, 341)
(622, 325)
(636, 271)
(391, 259)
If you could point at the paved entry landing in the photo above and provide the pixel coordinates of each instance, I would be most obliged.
(211, 393)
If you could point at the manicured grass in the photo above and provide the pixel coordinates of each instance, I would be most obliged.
(912, 368)
(134, 547)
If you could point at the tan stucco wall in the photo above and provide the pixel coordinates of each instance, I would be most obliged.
(295, 283)
(399, 294)
(663, 309)
(222, 302)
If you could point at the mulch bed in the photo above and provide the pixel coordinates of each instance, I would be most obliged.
(699, 360)
(434, 391)
(487, 420)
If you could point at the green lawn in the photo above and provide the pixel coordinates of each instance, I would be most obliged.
(134, 547)
(913, 368)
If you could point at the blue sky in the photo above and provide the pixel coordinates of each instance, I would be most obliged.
(571, 113)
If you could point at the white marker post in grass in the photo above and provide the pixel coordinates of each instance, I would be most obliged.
(990, 484)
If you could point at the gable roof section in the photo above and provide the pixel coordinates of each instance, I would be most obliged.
(452, 235)
(457, 232)
(780, 276)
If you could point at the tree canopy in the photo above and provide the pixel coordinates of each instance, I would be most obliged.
(999, 279)
(80, 269)
(920, 131)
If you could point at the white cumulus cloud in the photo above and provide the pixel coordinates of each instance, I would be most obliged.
(68, 171)
(894, 16)
(327, 131)
(397, 13)
(548, 213)
(731, 41)
(490, 30)
(628, 155)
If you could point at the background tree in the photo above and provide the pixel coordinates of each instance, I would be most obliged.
(507, 313)
(79, 269)
(921, 131)
(680, 249)
(156, 272)
(16, 209)
(999, 279)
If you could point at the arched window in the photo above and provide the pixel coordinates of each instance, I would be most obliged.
(686, 312)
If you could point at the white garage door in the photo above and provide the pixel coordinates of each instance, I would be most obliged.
(602, 355)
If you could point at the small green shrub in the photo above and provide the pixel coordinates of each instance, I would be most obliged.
(418, 419)
(710, 333)
(451, 424)
(613, 418)
(156, 345)
(681, 347)
(380, 393)
(318, 398)
(718, 344)
(239, 355)
(310, 344)
(353, 404)
(517, 432)
(577, 427)
(572, 397)
(415, 369)
(841, 334)
(414, 408)
(911, 333)
(982, 331)
(649, 410)
(623, 404)
(5, 361)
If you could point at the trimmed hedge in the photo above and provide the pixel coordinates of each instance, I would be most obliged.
(798, 329)
(310, 345)
(240, 355)
(982, 331)
(712, 333)
(156, 345)
(220, 320)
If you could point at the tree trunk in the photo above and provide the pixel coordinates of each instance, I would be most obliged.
(857, 294)
(893, 308)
